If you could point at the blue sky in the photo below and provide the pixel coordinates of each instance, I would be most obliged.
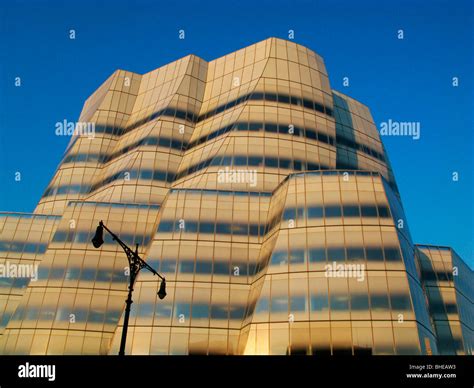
(402, 80)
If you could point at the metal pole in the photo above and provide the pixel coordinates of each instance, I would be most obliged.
(128, 302)
(134, 268)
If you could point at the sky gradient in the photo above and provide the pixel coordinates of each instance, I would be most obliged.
(401, 80)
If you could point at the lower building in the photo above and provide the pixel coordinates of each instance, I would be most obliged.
(449, 287)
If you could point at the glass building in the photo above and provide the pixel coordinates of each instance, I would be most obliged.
(264, 197)
(448, 284)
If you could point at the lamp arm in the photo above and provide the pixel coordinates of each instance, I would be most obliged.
(130, 253)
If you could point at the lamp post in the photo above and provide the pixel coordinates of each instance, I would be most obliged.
(136, 263)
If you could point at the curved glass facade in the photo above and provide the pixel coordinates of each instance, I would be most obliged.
(264, 197)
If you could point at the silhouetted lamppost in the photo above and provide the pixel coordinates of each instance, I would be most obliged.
(136, 263)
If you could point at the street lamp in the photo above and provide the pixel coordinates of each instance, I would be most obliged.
(136, 263)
